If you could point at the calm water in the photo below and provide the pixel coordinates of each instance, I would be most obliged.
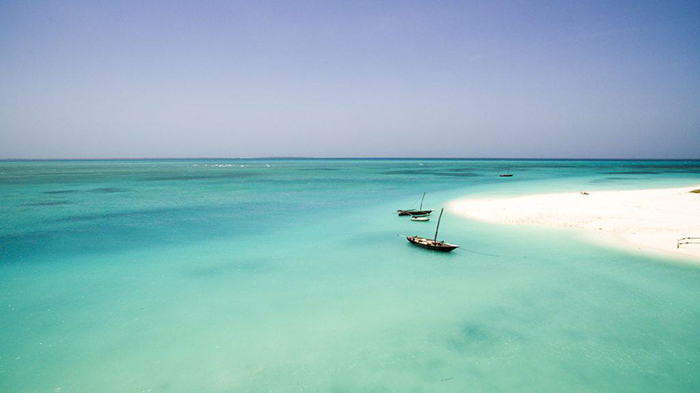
(289, 276)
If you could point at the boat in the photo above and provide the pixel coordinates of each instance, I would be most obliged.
(420, 218)
(507, 175)
(415, 212)
(432, 244)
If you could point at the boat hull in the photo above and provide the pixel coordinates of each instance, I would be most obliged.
(414, 212)
(431, 244)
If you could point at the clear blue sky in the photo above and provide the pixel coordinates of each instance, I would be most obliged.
(331, 79)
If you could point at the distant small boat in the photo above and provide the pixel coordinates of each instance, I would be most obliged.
(432, 244)
(415, 212)
(507, 175)
(420, 218)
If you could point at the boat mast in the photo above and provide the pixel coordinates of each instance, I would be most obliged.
(421, 202)
(438, 225)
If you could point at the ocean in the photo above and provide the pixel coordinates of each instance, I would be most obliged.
(289, 275)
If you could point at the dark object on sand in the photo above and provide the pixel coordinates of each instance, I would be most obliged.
(687, 240)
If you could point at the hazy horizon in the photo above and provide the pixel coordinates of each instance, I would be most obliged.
(444, 79)
(348, 158)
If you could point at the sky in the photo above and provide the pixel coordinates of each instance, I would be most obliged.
(521, 79)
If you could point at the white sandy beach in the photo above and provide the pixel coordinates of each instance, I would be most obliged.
(648, 220)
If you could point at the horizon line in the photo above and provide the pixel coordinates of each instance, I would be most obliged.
(346, 158)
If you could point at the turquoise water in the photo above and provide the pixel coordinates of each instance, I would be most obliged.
(289, 276)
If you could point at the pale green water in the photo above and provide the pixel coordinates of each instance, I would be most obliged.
(188, 276)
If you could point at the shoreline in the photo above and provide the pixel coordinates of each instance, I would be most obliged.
(645, 220)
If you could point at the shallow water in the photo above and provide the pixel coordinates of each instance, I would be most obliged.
(289, 276)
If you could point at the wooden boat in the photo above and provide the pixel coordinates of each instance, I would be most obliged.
(420, 218)
(432, 244)
(507, 175)
(415, 212)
